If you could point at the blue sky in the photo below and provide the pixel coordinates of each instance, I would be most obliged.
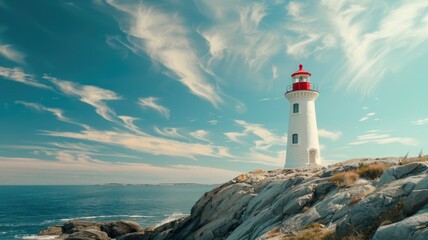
(192, 91)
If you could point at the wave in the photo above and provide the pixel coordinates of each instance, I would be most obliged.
(171, 217)
(105, 216)
(36, 237)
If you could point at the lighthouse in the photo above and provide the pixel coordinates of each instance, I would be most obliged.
(303, 148)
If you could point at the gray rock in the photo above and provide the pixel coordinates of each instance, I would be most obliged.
(76, 226)
(134, 236)
(411, 228)
(89, 234)
(53, 230)
(119, 228)
(398, 172)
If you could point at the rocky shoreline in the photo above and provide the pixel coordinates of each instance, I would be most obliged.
(357, 199)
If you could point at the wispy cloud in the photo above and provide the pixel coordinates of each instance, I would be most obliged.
(58, 113)
(367, 116)
(263, 144)
(152, 103)
(168, 132)
(421, 121)
(374, 51)
(164, 37)
(200, 134)
(237, 25)
(16, 74)
(374, 39)
(382, 138)
(266, 138)
(9, 52)
(274, 72)
(146, 143)
(129, 123)
(332, 135)
(213, 122)
(92, 95)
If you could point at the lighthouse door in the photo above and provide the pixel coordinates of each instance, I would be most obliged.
(312, 156)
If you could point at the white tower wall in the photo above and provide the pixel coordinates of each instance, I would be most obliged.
(306, 152)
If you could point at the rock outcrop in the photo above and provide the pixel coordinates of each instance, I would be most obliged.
(84, 230)
(368, 203)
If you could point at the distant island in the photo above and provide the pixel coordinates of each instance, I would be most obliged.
(157, 184)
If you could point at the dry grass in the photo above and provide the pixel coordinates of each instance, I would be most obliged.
(258, 171)
(275, 232)
(372, 171)
(241, 178)
(345, 179)
(315, 231)
(414, 159)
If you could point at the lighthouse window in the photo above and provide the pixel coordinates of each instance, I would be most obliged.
(295, 138)
(295, 108)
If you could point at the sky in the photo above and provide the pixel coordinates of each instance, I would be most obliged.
(193, 91)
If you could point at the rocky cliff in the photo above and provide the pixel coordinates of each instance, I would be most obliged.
(357, 199)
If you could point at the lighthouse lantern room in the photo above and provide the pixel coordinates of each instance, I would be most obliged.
(303, 146)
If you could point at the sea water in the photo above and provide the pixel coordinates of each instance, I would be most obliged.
(26, 210)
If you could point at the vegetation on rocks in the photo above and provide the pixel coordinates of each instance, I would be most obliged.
(372, 171)
(345, 179)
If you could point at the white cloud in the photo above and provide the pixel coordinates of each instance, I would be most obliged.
(152, 102)
(58, 113)
(274, 71)
(12, 54)
(374, 51)
(164, 37)
(75, 169)
(421, 121)
(92, 95)
(266, 138)
(294, 8)
(367, 116)
(16, 74)
(213, 122)
(235, 26)
(129, 123)
(264, 147)
(276, 159)
(251, 15)
(332, 135)
(379, 138)
(200, 134)
(168, 132)
(146, 143)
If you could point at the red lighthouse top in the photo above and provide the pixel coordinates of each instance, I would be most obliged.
(301, 71)
(301, 80)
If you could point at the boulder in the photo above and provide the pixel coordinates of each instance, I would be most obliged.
(119, 228)
(414, 227)
(53, 230)
(398, 172)
(89, 234)
(133, 236)
(76, 226)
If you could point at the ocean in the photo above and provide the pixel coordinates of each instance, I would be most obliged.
(26, 210)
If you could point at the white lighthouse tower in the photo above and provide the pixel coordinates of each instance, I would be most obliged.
(303, 148)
